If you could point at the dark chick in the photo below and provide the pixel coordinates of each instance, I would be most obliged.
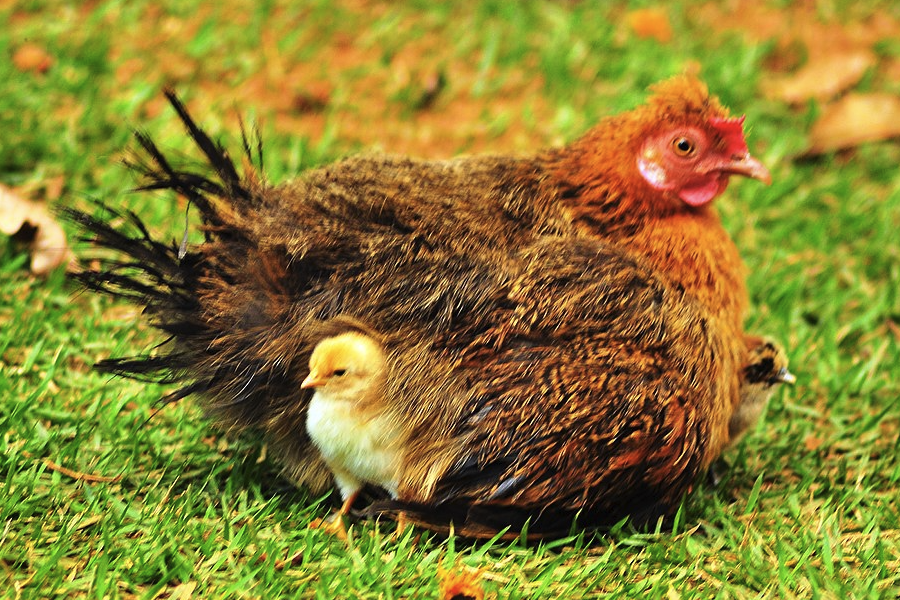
(765, 370)
(563, 331)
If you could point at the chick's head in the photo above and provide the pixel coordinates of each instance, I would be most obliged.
(767, 367)
(348, 365)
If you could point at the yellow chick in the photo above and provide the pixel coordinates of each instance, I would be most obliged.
(358, 438)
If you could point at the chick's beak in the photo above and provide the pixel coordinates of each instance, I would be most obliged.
(785, 376)
(748, 166)
(311, 381)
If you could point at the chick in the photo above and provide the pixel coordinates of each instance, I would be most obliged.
(347, 419)
(767, 366)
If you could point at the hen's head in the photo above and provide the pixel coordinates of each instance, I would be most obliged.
(678, 150)
(689, 146)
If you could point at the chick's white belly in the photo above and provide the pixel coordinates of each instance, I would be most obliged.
(359, 446)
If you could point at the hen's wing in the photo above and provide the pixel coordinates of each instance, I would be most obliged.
(593, 396)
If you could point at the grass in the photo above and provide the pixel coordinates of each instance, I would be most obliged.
(172, 508)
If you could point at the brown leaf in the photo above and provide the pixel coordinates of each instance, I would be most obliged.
(894, 328)
(314, 98)
(650, 23)
(853, 120)
(823, 77)
(79, 475)
(464, 584)
(30, 220)
(29, 57)
(183, 591)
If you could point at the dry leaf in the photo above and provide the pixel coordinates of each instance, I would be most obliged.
(894, 328)
(822, 77)
(183, 591)
(30, 57)
(30, 219)
(650, 23)
(464, 584)
(853, 120)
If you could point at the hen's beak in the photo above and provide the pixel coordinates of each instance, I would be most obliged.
(748, 166)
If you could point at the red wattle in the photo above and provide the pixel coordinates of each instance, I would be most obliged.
(698, 195)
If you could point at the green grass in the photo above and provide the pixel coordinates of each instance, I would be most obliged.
(809, 505)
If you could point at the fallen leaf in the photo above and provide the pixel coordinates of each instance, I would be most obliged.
(80, 476)
(894, 328)
(650, 23)
(183, 591)
(812, 443)
(31, 221)
(853, 120)
(314, 98)
(823, 77)
(464, 584)
(30, 57)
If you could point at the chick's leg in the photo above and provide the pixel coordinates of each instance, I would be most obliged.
(334, 523)
(348, 502)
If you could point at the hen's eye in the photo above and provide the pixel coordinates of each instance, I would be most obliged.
(339, 372)
(683, 146)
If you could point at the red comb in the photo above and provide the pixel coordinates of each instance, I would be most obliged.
(732, 131)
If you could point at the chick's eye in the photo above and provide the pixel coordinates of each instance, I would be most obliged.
(339, 372)
(684, 146)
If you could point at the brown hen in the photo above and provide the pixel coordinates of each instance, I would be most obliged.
(562, 332)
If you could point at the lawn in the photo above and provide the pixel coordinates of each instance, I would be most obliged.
(105, 494)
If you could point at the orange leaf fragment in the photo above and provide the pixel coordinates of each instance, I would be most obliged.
(29, 57)
(812, 443)
(460, 585)
(823, 77)
(30, 219)
(650, 23)
(854, 120)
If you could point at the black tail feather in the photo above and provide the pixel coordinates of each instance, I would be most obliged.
(215, 153)
(153, 274)
(152, 271)
(173, 287)
(159, 175)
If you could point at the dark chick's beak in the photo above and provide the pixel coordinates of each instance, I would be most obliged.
(748, 166)
(785, 376)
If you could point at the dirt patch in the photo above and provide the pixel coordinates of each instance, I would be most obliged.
(412, 94)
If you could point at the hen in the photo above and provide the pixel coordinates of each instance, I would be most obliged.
(564, 330)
